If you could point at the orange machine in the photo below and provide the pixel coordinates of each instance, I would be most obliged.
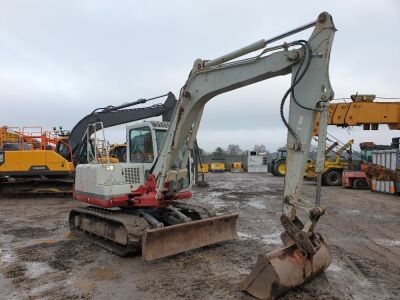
(365, 111)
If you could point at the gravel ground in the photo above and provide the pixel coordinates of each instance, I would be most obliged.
(39, 258)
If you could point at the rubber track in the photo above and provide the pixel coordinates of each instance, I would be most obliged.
(129, 221)
(26, 189)
(113, 217)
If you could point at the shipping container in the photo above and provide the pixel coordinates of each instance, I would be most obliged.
(390, 159)
(386, 158)
(202, 168)
(257, 162)
(217, 167)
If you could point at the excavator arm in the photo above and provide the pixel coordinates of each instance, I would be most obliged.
(112, 116)
(310, 92)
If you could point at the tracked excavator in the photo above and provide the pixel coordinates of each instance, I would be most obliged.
(29, 163)
(139, 206)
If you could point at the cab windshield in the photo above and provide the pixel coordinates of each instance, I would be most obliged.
(141, 144)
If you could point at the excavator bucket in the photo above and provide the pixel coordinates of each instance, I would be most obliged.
(170, 240)
(286, 268)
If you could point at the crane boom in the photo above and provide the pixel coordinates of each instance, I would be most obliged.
(370, 114)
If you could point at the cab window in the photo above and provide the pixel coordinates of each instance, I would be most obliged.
(141, 145)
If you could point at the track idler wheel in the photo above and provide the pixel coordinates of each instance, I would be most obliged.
(284, 269)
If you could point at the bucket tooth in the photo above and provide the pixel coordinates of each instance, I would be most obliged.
(170, 240)
(286, 268)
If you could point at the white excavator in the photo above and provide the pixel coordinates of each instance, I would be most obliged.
(139, 206)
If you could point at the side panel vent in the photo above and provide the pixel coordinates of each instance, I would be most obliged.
(131, 175)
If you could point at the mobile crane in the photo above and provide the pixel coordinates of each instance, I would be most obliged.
(135, 207)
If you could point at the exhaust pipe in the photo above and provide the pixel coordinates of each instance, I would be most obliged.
(284, 269)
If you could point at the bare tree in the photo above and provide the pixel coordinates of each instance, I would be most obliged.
(260, 148)
(233, 150)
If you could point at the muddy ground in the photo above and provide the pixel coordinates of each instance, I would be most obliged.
(39, 258)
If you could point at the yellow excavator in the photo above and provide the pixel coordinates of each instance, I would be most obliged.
(29, 162)
(139, 206)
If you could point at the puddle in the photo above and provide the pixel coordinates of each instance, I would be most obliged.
(231, 196)
(272, 239)
(387, 242)
(353, 211)
(269, 239)
(213, 198)
(68, 234)
(257, 204)
(84, 285)
(37, 290)
(7, 257)
(228, 186)
(334, 268)
(103, 273)
(50, 241)
(36, 269)
(28, 232)
(245, 236)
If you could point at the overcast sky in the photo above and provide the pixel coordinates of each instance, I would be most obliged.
(61, 59)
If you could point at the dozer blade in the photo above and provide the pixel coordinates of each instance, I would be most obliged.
(166, 241)
(279, 271)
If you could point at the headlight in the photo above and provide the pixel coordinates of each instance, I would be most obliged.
(109, 168)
